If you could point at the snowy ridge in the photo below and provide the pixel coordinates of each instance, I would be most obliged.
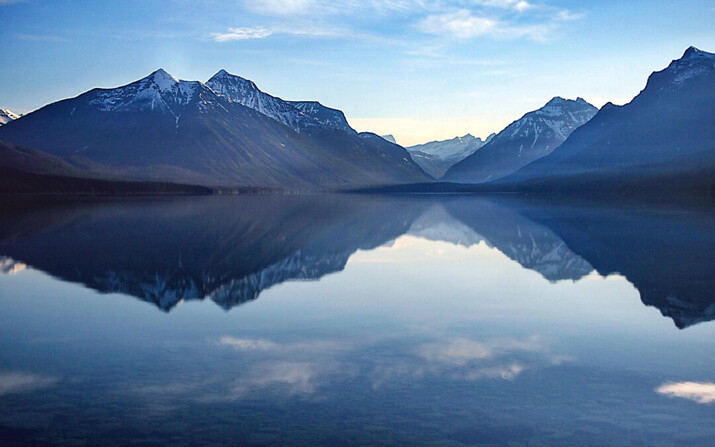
(157, 92)
(436, 157)
(7, 115)
(326, 116)
(245, 92)
(529, 138)
(457, 147)
(694, 63)
(301, 116)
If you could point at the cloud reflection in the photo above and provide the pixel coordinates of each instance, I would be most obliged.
(700, 392)
(20, 382)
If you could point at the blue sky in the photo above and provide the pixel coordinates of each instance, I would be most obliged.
(419, 69)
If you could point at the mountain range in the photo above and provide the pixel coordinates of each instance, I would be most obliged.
(666, 131)
(436, 157)
(529, 138)
(162, 129)
(228, 134)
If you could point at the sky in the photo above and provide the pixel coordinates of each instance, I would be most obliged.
(421, 70)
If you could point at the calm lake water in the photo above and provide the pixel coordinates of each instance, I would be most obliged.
(356, 321)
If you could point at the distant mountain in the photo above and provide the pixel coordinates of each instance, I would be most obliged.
(437, 156)
(7, 115)
(389, 138)
(529, 138)
(162, 129)
(667, 130)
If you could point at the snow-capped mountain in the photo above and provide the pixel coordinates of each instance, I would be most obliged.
(332, 118)
(7, 115)
(436, 157)
(529, 138)
(163, 129)
(301, 116)
(666, 130)
(246, 93)
(158, 91)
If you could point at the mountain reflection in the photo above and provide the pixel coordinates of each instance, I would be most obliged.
(230, 249)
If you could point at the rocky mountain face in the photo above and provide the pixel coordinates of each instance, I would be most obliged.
(163, 129)
(666, 130)
(529, 138)
(437, 156)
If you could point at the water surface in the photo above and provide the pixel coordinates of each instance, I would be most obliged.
(340, 320)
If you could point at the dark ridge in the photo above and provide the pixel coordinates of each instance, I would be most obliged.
(13, 181)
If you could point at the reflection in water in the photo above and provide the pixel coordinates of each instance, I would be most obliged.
(460, 321)
(702, 393)
(228, 250)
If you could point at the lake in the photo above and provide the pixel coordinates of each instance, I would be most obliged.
(340, 320)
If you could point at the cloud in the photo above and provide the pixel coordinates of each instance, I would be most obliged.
(19, 382)
(248, 344)
(517, 5)
(279, 7)
(258, 32)
(465, 24)
(460, 351)
(700, 392)
(461, 24)
(565, 16)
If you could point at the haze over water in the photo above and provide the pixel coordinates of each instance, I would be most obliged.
(341, 320)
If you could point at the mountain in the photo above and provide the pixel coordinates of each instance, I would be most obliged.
(529, 138)
(25, 170)
(666, 131)
(389, 138)
(326, 116)
(246, 93)
(437, 156)
(7, 115)
(163, 129)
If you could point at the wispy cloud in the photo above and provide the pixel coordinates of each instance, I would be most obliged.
(280, 7)
(258, 32)
(702, 393)
(461, 24)
(466, 24)
(517, 5)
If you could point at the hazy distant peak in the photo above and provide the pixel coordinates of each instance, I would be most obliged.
(389, 138)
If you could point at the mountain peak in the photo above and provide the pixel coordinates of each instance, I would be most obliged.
(163, 80)
(693, 52)
(221, 73)
(555, 101)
